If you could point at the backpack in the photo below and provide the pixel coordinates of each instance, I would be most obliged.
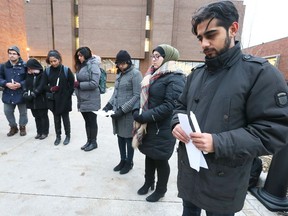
(65, 71)
(102, 81)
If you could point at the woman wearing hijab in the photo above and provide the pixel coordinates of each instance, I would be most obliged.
(160, 89)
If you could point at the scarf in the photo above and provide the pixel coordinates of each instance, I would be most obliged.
(139, 130)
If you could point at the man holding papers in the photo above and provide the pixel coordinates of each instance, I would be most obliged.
(240, 103)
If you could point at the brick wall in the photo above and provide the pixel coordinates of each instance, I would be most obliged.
(277, 47)
(12, 28)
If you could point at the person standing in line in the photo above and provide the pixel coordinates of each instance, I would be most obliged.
(87, 91)
(241, 104)
(160, 88)
(126, 93)
(58, 84)
(35, 97)
(12, 79)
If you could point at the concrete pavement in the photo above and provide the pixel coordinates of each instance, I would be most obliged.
(38, 178)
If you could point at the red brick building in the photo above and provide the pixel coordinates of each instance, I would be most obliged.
(12, 28)
(275, 51)
(106, 26)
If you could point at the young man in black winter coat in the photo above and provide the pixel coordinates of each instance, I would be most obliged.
(241, 105)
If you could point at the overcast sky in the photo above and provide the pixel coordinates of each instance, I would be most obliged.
(264, 21)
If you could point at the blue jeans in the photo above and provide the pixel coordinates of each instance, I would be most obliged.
(124, 143)
(9, 113)
(189, 209)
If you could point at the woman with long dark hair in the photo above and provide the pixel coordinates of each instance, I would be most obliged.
(87, 91)
(59, 82)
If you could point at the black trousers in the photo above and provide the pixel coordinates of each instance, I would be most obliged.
(163, 172)
(66, 123)
(90, 125)
(125, 148)
(189, 209)
(41, 120)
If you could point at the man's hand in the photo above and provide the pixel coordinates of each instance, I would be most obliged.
(13, 86)
(179, 134)
(203, 141)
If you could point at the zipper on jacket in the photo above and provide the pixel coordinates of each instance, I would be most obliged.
(157, 132)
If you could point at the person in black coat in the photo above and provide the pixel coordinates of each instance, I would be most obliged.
(59, 87)
(160, 88)
(35, 97)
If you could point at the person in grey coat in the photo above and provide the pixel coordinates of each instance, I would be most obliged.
(126, 94)
(88, 94)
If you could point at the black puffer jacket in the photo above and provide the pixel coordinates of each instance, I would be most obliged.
(159, 143)
(38, 88)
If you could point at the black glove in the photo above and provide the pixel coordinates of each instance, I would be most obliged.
(107, 107)
(117, 114)
(33, 94)
(27, 97)
(25, 94)
(137, 117)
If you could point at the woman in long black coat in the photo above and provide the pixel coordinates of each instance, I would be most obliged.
(160, 89)
(35, 97)
(59, 84)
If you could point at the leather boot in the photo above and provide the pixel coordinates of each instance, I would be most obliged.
(155, 196)
(86, 144)
(57, 141)
(119, 166)
(91, 146)
(22, 131)
(13, 131)
(145, 188)
(67, 140)
(88, 134)
(127, 167)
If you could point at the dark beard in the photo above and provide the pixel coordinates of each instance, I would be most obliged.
(226, 45)
(224, 49)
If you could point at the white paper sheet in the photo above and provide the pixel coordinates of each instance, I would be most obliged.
(195, 156)
(103, 113)
(195, 125)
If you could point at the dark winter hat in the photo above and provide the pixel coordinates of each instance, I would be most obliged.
(171, 53)
(15, 48)
(123, 56)
(34, 64)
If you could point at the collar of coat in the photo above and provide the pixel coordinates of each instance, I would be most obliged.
(225, 60)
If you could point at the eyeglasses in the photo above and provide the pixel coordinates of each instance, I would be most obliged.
(156, 57)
